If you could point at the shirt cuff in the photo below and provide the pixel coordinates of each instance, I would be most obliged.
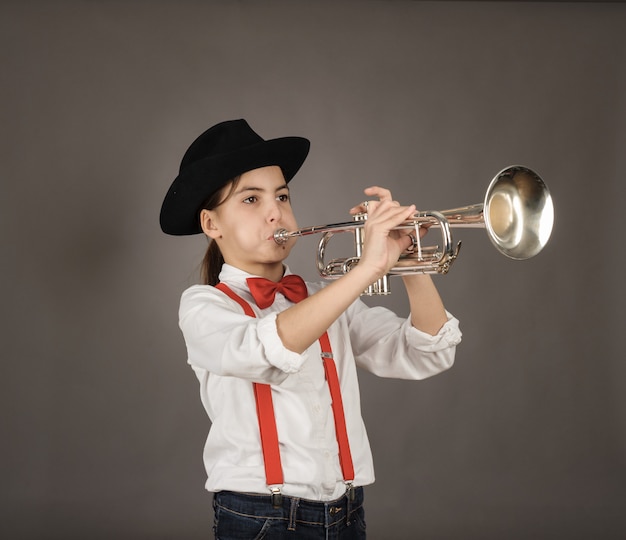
(275, 352)
(448, 336)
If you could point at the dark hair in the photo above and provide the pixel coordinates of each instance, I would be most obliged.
(213, 259)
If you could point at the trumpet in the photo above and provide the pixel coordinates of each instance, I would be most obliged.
(517, 214)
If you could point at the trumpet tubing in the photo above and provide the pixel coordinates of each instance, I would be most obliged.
(517, 213)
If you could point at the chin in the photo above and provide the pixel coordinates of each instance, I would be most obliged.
(282, 252)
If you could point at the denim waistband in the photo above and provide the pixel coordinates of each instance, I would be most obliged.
(292, 510)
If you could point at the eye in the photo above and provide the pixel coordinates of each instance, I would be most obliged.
(284, 197)
(250, 200)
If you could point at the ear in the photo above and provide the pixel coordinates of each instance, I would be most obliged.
(207, 222)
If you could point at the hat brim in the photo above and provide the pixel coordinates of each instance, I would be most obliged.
(192, 187)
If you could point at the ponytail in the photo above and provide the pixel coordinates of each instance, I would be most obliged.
(213, 260)
(211, 264)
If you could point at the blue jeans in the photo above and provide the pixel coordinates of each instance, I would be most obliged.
(240, 516)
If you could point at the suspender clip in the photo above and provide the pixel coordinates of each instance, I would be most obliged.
(277, 497)
(350, 491)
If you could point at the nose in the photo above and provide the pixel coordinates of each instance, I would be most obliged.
(274, 213)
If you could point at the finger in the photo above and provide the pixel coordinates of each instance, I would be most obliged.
(392, 209)
(383, 208)
(362, 208)
(370, 207)
(376, 191)
(413, 242)
(389, 215)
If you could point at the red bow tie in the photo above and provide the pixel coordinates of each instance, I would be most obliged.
(263, 290)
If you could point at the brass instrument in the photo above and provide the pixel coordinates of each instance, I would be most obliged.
(517, 214)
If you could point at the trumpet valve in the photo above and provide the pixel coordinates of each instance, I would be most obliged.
(379, 288)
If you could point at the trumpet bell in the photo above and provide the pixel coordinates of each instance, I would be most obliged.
(518, 213)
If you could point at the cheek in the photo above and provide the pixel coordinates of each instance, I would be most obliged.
(234, 232)
(289, 220)
(244, 239)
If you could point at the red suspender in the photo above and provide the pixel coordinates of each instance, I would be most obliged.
(269, 434)
(345, 456)
(227, 290)
(265, 411)
(267, 419)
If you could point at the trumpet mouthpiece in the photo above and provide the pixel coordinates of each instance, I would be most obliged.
(281, 236)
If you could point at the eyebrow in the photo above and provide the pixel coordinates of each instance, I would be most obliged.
(243, 189)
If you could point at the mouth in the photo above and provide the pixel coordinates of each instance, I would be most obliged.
(276, 233)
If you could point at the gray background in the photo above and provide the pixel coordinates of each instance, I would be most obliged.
(102, 426)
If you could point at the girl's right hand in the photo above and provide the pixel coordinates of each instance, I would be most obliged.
(382, 243)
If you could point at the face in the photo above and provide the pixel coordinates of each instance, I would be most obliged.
(244, 224)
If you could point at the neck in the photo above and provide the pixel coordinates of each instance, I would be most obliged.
(273, 272)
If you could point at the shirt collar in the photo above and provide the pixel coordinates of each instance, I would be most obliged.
(237, 277)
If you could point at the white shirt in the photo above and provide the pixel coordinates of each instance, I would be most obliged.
(229, 350)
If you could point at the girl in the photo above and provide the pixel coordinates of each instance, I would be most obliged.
(287, 454)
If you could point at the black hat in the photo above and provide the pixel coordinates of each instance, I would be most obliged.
(221, 153)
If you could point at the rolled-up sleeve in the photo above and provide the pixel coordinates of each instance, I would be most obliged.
(389, 346)
(221, 339)
(279, 356)
(448, 336)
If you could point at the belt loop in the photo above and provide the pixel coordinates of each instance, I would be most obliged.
(293, 509)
